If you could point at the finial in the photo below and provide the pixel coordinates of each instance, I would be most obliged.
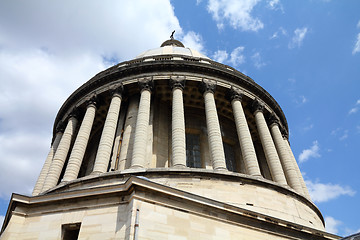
(172, 35)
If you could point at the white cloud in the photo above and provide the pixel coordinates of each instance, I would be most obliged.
(298, 38)
(344, 136)
(193, 40)
(292, 80)
(236, 13)
(237, 57)
(356, 48)
(220, 56)
(323, 192)
(336, 131)
(257, 60)
(281, 31)
(331, 224)
(43, 62)
(355, 108)
(301, 100)
(275, 5)
(312, 152)
(309, 127)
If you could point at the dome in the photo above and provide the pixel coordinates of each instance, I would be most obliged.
(175, 138)
(172, 47)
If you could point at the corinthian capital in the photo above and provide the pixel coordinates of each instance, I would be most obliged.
(146, 83)
(257, 106)
(234, 94)
(177, 82)
(118, 90)
(92, 101)
(207, 86)
(273, 119)
(60, 127)
(284, 133)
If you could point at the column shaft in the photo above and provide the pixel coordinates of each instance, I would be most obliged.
(214, 133)
(128, 135)
(271, 155)
(178, 129)
(288, 166)
(305, 191)
(107, 136)
(60, 155)
(142, 125)
(78, 150)
(45, 169)
(245, 140)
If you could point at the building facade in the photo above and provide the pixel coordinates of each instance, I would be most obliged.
(169, 145)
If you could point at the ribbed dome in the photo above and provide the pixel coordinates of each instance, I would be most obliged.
(172, 47)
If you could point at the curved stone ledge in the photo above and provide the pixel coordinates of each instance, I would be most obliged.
(249, 190)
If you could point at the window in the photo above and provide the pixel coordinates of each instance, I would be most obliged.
(70, 231)
(193, 156)
(229, 157)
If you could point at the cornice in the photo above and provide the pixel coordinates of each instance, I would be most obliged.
(170, 64)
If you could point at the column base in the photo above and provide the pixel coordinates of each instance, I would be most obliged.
(220, 169)
(179, 166)
(95, 173)
(136, 167)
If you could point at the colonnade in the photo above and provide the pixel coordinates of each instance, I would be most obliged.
(280, 159)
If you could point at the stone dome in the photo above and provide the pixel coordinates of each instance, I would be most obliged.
(172, 47)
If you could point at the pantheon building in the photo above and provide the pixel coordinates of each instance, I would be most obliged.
(169, 145)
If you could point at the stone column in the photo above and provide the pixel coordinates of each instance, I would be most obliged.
(245, 140)
(82, 138)
(304, 191)
(285, 159)
(61, 153)
(213, 127)
(178, 123)
(128, 135)
(107, 136)
(271, 155)
(44, 171)
(142, 125)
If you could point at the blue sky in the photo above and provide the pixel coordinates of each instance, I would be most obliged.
(306, 54)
